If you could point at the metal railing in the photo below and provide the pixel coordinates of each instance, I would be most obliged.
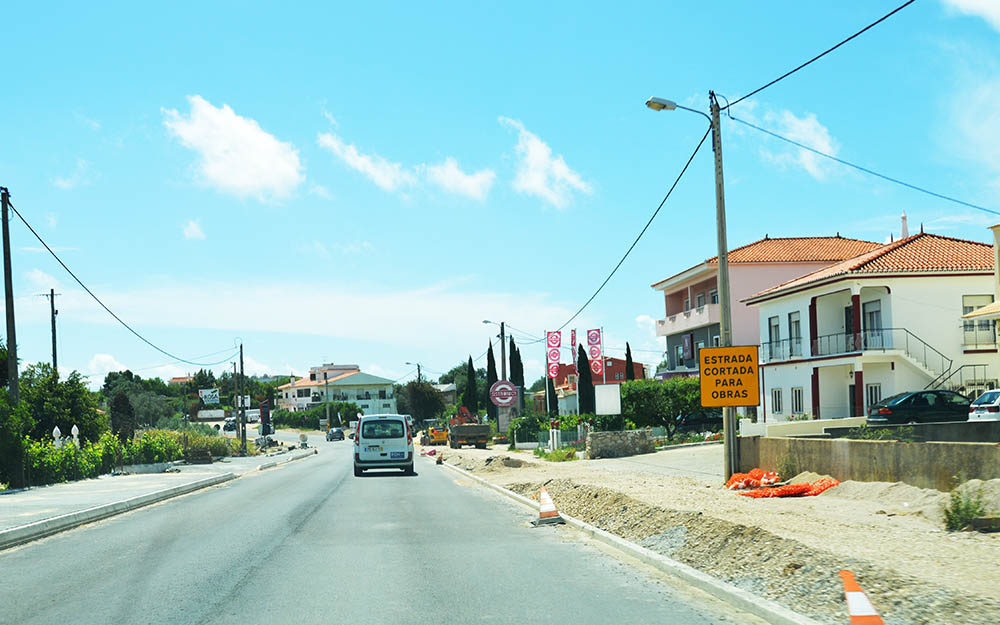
(884, 339)
(968, 380)
(784, 349)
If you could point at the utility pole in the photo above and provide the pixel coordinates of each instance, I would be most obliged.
(9, 297)
(52, 305)
(326, 397)
(503, 352)
(732, 462)
(243, 412)
(418, 373)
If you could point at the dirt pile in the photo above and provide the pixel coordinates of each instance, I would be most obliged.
(792, 573)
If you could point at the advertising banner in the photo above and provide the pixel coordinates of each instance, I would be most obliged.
(209, 395)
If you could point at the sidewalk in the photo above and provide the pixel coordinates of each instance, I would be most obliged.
(40, 503)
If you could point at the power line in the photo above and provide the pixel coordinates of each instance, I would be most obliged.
(824, 53)
(97, 299)
(865, 169)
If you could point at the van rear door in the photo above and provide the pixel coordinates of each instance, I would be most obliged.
(383, 439)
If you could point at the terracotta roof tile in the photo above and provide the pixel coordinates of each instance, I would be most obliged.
(798, 249)
(922, 252)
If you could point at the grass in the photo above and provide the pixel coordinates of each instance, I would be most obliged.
(559, 455)
(963, 505)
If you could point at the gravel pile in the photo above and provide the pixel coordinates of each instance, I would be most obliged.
(801, 577)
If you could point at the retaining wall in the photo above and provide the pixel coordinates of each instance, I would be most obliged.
(927, 465)
(956, 432)
(619, 444)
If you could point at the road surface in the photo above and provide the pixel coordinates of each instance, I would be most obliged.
(309, 543)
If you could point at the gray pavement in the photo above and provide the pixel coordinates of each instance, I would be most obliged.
(308, 542)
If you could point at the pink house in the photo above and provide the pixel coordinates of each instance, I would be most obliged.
(691, 300)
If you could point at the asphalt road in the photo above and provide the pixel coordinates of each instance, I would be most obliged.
(310, 543)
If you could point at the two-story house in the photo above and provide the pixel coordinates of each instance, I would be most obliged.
(691, 297)
(838, 340)
(329, 382)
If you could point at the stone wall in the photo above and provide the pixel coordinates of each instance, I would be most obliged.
(619, 444)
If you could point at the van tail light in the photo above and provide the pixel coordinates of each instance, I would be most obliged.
(409, 434)
(357, 435)
(884, 411)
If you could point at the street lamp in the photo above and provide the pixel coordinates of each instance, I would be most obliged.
(726, 322)
(417, 365)
(503, 348)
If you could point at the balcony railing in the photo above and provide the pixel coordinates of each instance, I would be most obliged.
(885, 339)
(704, 315)
(785, 349)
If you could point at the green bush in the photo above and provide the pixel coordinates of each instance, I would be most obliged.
(963, 505)
(309, 419)
(565, 454)
(902, 434)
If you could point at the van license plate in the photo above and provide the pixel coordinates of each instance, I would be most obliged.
(373, 448)
(396, 454)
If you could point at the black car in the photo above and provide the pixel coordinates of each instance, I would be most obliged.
(920, 407)
(229, 426)
(707, 420)
(335, 434)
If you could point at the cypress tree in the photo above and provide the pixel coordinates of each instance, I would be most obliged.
(471, 396)
(629, 367)
(491, 378)
(553, 399)
(585, 386)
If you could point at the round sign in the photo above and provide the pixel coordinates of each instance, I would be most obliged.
(553, 370)
(503, 393)
(594, 337)
(553, 355)
(595, 352)
(555, 339)
(596, 366)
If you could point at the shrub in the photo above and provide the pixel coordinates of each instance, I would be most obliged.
(560, 455)
(903, 434)
(156, 446)
(963, 505)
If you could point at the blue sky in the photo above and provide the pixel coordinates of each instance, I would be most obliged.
(366, 184)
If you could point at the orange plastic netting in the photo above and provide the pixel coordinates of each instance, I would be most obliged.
(757, 478)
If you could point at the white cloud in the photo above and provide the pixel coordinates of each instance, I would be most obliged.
(356, 247)
(976, 124)
(41, 280)
(81, 175)
(450, 177)
(320, 191)
(254, 367)
(541, 174)
(386, 174)
(52, 220)
(989, 10)
(193, 231)
(100, 366)
(236, 156)
(647, 323)
(808, 131)
(320, 249)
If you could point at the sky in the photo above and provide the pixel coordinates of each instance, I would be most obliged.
(367, 183)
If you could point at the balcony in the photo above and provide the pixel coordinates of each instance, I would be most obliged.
(684, 321)
(785, 349)
(884, 340)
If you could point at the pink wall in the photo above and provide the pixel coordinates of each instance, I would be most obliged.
(746, 279)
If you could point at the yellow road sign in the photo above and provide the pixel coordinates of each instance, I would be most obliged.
(729, 376)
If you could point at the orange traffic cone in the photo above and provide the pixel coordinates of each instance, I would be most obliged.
(859, 608)
(547, 513)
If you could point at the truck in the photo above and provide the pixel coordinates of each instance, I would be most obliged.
(465, 429)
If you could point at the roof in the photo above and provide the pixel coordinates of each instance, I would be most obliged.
(180, 379)
(920, 253)
(990, 311)
(305, 382)
(793, 250)
(358, 378)
(445, 388)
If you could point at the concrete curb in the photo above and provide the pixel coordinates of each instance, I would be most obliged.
(274, 463)
(46, 527)
(766, 609)
(701, 444)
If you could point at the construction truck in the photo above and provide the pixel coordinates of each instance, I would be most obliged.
(465, 429)
(434, 435)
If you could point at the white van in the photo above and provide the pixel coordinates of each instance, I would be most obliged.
(383, 441)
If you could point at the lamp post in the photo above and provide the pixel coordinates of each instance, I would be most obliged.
(726, 321)
(503, 348)
(417, 365)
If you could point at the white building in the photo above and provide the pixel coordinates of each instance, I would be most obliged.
(371, 393)
(838, 340)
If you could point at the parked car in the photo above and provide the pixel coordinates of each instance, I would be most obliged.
(920, 407)
(708, 420)
(383, 441)
(986, 407)
(230, 425)
(335, 434)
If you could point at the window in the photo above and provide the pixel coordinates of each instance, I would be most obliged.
(977, 332)
(795, 334)
(773, 330)
(381, 394)
(713, 296)
(700, 300)
(679, 356)
(385, 405)
(303, 392)
(687, 304)
(776, 400)
(382, 429)
(873, 393)
(364, 406)
(699, 345)
(797, 401)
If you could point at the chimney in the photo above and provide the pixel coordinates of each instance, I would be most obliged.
(996, 260)
(905, 232)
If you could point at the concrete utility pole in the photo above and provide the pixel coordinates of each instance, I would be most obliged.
(52, 305)
(326, 397)
(9, 297)
(243, 411)
(503, 352)
(728, 413)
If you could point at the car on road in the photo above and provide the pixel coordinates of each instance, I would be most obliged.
(920, 407)
(383, 441)
(986, 407)
(335, 434)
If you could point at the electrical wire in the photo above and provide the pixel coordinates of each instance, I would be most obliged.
(870, 172)
(98, 300)
(824, 53)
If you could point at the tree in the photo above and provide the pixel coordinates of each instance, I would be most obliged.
(585, 385)
(470, 398)
(553, 398)
(52, 402)
(491, 378)
(537, 385)
(654, 403)
(122, 417)
(15, 422)
(423, 400)
(629, 367)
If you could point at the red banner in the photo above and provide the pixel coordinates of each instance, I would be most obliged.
(553, 341)
(594, 351)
